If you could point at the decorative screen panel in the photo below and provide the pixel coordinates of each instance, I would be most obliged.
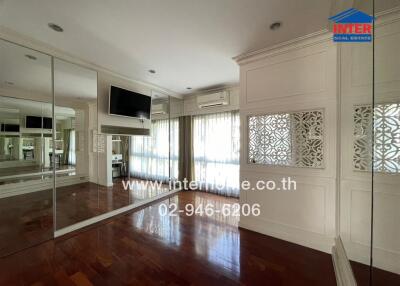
(362, 146)
(287, 139)
(386, 138)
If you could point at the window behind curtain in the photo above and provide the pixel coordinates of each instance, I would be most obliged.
(149, 157)
(216, 143)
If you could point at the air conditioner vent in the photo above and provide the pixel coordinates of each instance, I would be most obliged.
(213, 100)
(160, 108)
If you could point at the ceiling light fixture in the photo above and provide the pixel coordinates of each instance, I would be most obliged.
(152, 71)
(188, 88)
(31, 57)
(275, 26)
(55, 27)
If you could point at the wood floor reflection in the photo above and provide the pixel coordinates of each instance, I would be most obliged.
(27, 219)
(144, 248)
(79, 202)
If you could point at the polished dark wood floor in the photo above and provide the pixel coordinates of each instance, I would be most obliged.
(26, 220)
(144, 248)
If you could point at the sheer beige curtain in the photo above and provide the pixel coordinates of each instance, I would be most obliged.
(216, 145)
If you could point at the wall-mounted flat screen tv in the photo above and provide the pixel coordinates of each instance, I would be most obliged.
(33, 122)
(11, 127)
(129, 103)
(47, 123)
(36, 122)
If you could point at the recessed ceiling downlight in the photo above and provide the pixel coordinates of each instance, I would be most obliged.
(152, 71)
(31, 57)
(55, 27)
(275, 26)
(188, 88)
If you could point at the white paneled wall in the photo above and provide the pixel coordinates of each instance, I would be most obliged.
(294, 77)
(314, 73)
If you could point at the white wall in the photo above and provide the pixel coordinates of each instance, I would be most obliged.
(297, 76)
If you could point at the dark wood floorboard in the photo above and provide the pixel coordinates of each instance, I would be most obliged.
(27, 219)
(143, 248)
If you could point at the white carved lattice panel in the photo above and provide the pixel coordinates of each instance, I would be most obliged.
(386, 138)
(308, 139)
(288, 139)
(362, 146)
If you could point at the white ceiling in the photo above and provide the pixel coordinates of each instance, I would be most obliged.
(31, 78)
(188, 42)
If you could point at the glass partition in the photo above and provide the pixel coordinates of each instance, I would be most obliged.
(26, 175)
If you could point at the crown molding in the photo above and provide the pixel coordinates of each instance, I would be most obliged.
(12, 36)
(300, 42)
(391, 11)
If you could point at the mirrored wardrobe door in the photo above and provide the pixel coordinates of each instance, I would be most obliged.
(75, 160)
(386, 167)
(26, 177)
(356, 135)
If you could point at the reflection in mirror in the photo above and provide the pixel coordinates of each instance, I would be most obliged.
(116, 196)
(26, 184)
(25, 140)
(385, 268)
(149, 155)
(370, 152)
(75, 111)
(176, 120)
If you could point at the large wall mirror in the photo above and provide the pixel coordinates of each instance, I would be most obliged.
(57, 171)
(77, 197)
(26, 174)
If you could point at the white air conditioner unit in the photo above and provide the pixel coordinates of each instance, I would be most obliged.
(213, 99)
(159, 108)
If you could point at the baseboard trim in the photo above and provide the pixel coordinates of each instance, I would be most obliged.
(108, 215)
(301, 237)
(343, 272)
